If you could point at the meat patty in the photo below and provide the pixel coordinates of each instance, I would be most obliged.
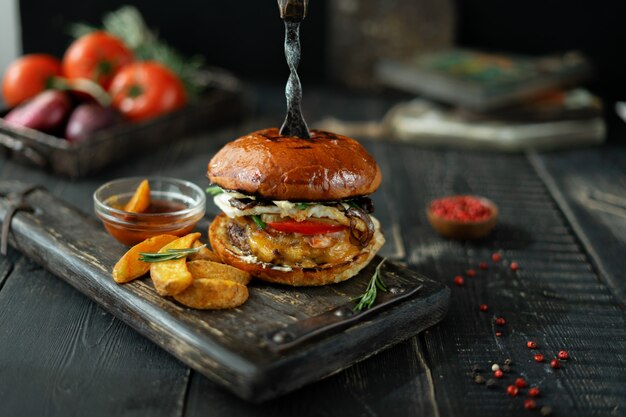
(238, 236)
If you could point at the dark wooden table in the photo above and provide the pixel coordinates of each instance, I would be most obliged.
(563, 220)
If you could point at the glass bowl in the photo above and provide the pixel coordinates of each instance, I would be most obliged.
(176, 207)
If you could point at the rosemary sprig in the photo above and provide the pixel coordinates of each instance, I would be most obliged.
(169, 255)
(259, 223)
(214, 190)
(366, 300)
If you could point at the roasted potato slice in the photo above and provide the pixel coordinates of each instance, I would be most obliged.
(172, 277)
(203, 254)
(140, 201)
(130, 267)
(213, 270)
(213, 294)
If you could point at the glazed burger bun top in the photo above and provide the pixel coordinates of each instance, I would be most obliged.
(328, 167)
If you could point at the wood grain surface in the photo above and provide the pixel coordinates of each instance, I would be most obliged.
(590, 188)
(562, 296)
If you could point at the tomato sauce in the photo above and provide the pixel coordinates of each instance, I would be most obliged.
(132, 228)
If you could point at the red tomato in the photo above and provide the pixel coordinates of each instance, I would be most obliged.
(28, 76)
(144, 90)
(306, 227)
(96, 56)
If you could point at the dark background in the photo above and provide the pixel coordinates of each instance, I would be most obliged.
(598, 28)
(247, 37)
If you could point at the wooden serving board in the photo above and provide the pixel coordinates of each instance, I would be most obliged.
(281, 339)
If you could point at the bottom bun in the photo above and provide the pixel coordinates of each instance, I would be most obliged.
(322, 275)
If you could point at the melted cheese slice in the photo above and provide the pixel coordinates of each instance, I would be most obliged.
(285, 250)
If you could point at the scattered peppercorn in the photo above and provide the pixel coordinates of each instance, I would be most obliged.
(520, 382)
(483, 307)
(491, 383)
(512, 390)
(563, 355)
(470, 272)
(546, 410)
(529, 404)
(500, 321)
(555, 364)
(508, 362)
(531, 345)
(459, 280)
(495, 257)
(533, 392)
(506, 368)
(514, 266)
(495, 367)
(498, 374)
(479, 379)
(483, 265)
(538, 357)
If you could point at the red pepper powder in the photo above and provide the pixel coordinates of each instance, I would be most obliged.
(463, 209)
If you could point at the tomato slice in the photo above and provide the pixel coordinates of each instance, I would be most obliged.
(306, 227)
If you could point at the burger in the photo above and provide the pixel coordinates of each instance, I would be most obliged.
(295, 211)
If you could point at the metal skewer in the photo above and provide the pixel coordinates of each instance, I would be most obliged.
(293, 12)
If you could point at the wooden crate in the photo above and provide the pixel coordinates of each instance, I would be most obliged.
(221, 104)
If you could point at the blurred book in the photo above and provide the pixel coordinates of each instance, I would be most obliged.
(483, 81)
(360, 32)
(567, 120)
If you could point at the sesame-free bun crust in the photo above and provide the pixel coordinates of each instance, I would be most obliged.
(326, 274)
(327, 167)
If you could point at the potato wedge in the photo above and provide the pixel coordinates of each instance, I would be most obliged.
(213, 294)
(172, 277)
(140, 201)
(214, 270)
(130, 267)
(203, 254)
